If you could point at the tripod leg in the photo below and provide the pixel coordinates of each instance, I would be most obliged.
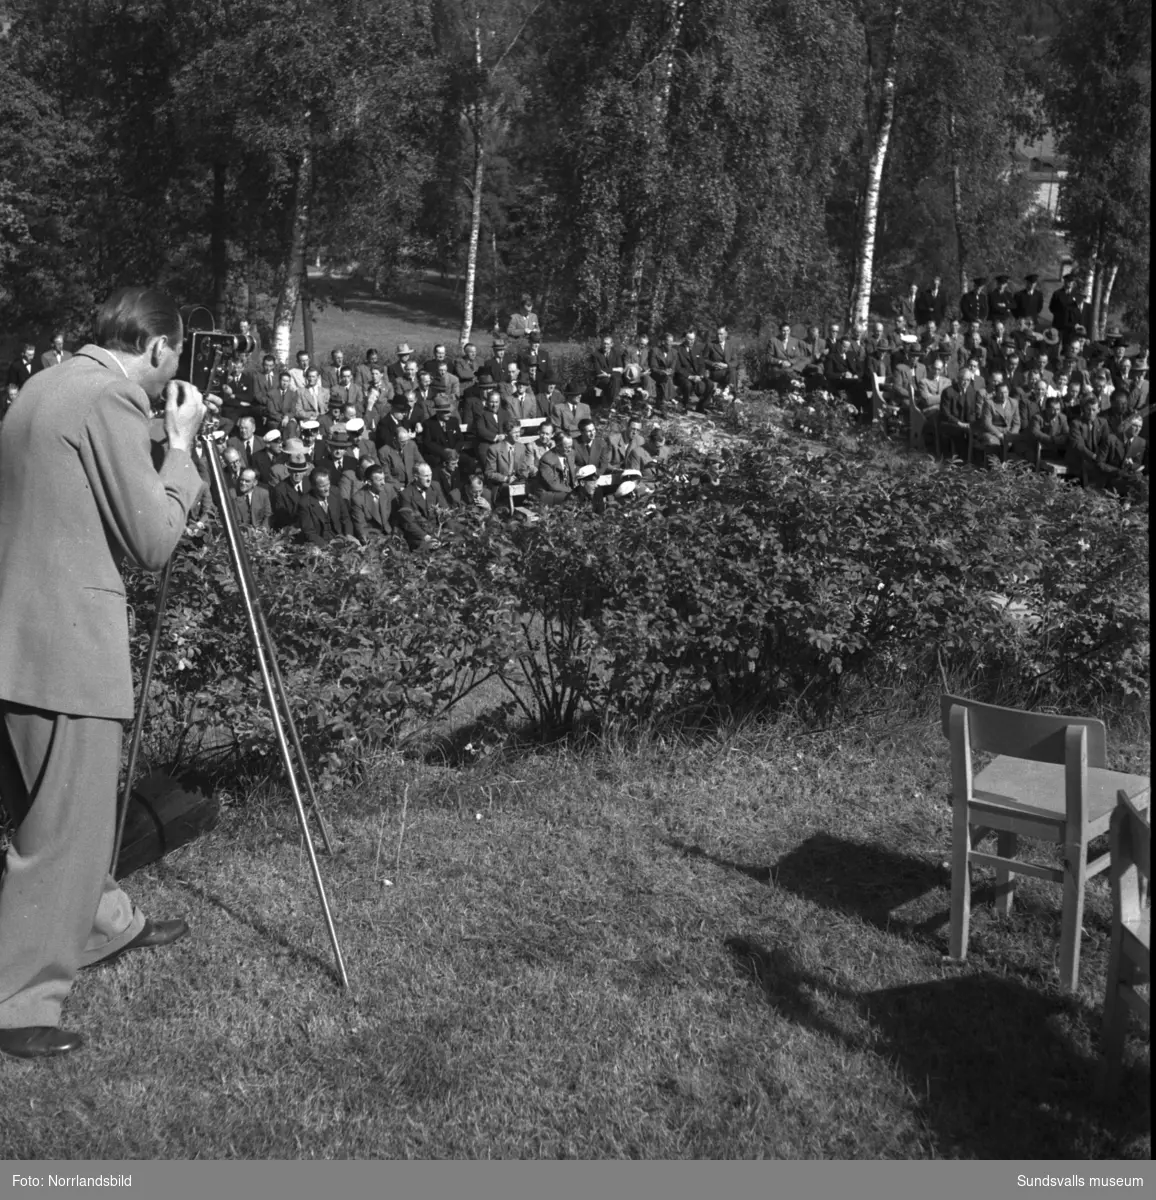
(138, 722)
(279, 685)
(252, 606)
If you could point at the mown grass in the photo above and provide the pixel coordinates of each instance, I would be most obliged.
(724, 948)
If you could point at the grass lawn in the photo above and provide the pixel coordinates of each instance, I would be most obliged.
(724, 950)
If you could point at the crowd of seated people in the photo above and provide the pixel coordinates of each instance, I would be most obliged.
(409, 448)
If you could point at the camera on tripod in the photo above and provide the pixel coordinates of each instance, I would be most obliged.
(207, 353)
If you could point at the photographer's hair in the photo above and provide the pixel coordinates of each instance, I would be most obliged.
(131, 317)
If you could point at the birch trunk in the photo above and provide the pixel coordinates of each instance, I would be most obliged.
(290, 291)
(1097, 293)
(306, 317)
(957, 206)
(475, 233)
(1106, 300)
(218, 245)
(864, 265)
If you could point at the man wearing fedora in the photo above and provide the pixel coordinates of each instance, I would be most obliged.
(569, 415)
(288, 493)
(442, 434)
(396, 371)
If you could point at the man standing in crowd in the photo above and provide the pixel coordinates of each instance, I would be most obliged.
(79, 496)
(20, 372)
(931, 304)
(973, 304)
(57, 354)
(524, 322)
(1029, 301)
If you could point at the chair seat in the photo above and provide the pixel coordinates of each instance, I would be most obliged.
(1037, 788)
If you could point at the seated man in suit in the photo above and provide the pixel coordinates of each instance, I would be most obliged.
(557, 475)
(323, 514)
(423, 511)
(844, 376)
(535, 356)
(1049, 430)
(662, 361)
(691, 377)
(609, 367)
(347, 391)
(439, 359)
(959, 408)
(56, 354)
(396, 371)
(442, 435)
(590, 448)
(787, 359)
(401, 460)
(1125, 459)
(251, 503)
(245, 439)
(287, 495)
(500, 461)
(999, 422)
(466, 366)
(722, 360)
(445, 383)
(569, 415)
(374, 506)
(365, 369)
(331, 371)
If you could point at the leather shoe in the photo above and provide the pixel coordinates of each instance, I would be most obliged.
(38, 1041)
(154, 933)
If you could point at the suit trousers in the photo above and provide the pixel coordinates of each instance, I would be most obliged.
(59, 907)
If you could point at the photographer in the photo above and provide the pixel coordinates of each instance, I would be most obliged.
(79, 495)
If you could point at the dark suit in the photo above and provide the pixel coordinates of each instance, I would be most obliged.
(20, 372)
(373, 514)
(973, 305)
(596, 454)
(723, 363)
(441, 436)
(247, 450)
(930, 306)
(287, 501)
(400, 465)
(320, 523)
(662, 372)
(608, 369)
(1028, 302)
(418, 512)
(556, 477)
(690, 374)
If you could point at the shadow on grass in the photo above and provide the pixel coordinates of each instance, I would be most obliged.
(263, 928)
(751, 870)
(863, 880)
(982, 1057)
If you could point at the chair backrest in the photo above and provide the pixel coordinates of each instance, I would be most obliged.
(1018, 734)
(1131, 834)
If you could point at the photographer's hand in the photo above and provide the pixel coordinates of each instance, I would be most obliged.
(184, 412)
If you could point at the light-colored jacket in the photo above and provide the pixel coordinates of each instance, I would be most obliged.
(80, 495)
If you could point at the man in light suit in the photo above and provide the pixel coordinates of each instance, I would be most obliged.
(57, 355)
(374, 506)
(79, 495)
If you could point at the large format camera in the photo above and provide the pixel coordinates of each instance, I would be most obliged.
(206, 354)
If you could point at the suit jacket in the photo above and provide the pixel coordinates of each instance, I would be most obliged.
(331, 375)
(662, 367)
(930, 306)
(999, 419)
(287, 501)
(373, 515)
(689, 361)
(20, 372)
(349, 395)
(596, 454)
(1028, 302)
(723, 362)
(499, 461)
(48, 358)
(312, 403)
(973, 305)
(999, 303)
(541, 360)
(608, 367)
(790, 351)
(566, 417)
(466, 370)
(418, 512)
(258, 513)
(80, 495)
(247, 455)
(320, 523)
(400, 465)
(439, 437)
(930, 391)
(556, 473)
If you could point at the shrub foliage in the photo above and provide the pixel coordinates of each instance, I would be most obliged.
(794, 575)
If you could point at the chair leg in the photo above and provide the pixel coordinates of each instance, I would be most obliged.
(1115, 1023)
(1005, 879)
(960, 884)
(1072, 922)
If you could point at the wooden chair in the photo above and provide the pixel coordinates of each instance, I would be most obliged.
(974, 445)
(1050, 782)
(1129, 965)
(1050, 466)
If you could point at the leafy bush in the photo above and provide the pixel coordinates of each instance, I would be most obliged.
(794, 575)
